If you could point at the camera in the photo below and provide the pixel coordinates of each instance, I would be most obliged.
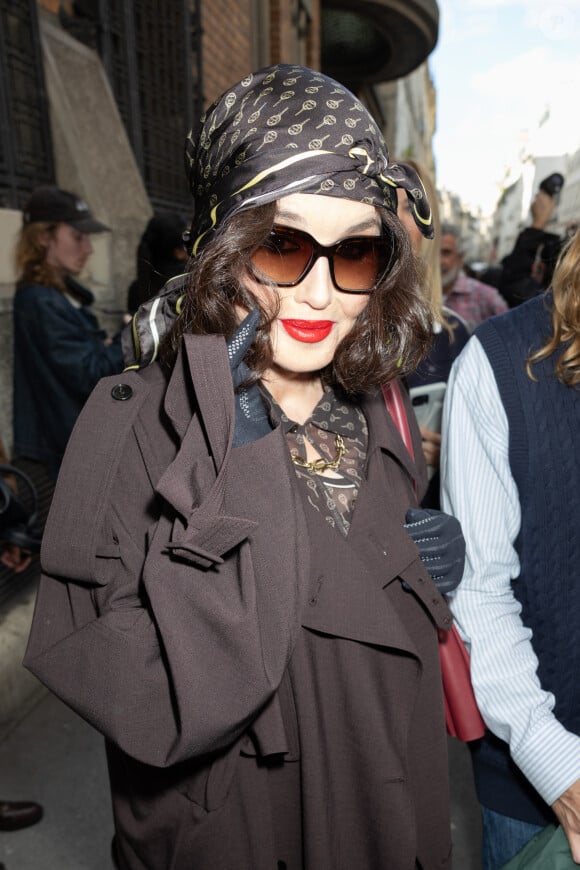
(552, 185)
(18, 525)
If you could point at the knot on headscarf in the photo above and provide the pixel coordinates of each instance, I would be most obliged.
(289, 129)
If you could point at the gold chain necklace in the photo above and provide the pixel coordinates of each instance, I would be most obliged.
(321, 465)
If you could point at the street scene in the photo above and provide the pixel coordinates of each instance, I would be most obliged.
(289, 434)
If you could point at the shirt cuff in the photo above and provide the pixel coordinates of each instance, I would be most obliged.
(550, 759)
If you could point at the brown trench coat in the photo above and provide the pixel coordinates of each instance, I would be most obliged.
(269, 690)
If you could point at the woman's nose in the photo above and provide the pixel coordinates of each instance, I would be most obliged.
(317, 288)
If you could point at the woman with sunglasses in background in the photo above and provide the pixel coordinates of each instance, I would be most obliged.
(230, 593)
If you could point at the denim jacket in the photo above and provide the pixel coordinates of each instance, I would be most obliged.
(59, 355)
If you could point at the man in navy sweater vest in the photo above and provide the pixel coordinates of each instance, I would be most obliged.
(511, 474)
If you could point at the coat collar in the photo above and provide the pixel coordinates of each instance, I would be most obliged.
(204, 356)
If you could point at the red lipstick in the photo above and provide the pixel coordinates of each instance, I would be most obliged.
(309, 331)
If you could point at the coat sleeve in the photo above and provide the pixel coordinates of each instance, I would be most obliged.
(171, 652)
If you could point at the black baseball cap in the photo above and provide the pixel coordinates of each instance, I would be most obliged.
(53, 205)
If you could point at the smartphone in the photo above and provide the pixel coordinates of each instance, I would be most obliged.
(427, 404)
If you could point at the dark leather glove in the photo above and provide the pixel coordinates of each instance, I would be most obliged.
(251, 418)
(441, 546)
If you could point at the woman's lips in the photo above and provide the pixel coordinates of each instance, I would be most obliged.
(309, 331)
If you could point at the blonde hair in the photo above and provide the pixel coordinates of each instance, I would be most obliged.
(565, 318)
(430, 254)
(30, 256)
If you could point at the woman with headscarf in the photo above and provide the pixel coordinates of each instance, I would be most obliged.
(230, 593)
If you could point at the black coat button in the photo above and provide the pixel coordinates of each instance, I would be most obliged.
(121, 392)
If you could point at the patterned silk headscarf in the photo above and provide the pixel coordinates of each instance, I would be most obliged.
(285, 129)
(289, 129)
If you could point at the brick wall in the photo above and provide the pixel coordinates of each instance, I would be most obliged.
(285, 44)
(227, 45)
(228, 40)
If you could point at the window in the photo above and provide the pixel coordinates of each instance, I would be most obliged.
(25, 143)
(150, 50)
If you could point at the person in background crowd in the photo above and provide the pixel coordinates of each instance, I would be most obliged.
(511, 474)
(60, 352)
(450, 333)
(528, 269)
(489, 273)
(471, 299)
(161, 255)
(248, 620)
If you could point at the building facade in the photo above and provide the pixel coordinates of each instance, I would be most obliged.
(512, 213)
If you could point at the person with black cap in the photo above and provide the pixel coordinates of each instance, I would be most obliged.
(232, 593)
(60, 351)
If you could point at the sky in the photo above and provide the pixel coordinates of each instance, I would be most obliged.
(507, 76)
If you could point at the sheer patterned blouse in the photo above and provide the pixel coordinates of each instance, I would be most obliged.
(332, 493)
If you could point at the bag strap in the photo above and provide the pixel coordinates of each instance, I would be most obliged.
(396, 408)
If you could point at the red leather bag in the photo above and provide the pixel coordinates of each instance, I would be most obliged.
(462, 717)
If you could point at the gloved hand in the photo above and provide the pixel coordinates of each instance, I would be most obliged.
(441, 545)
(251, 418)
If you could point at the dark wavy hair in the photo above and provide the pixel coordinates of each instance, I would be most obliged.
(389, 337)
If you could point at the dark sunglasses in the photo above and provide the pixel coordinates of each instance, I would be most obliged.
(357, 264)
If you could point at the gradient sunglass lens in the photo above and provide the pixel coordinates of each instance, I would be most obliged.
(357, 264)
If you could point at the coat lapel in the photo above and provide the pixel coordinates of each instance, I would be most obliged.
(355, 589)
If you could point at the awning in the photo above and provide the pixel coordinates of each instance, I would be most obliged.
(374, 41)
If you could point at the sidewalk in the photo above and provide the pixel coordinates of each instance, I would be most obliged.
(53, 757)
(49, 755)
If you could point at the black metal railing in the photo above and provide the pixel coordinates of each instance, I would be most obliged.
(151, 51)
(25, 143)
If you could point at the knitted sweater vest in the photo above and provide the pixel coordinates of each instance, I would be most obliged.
(544, 456)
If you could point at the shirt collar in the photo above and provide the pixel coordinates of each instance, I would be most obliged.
(338, 415)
